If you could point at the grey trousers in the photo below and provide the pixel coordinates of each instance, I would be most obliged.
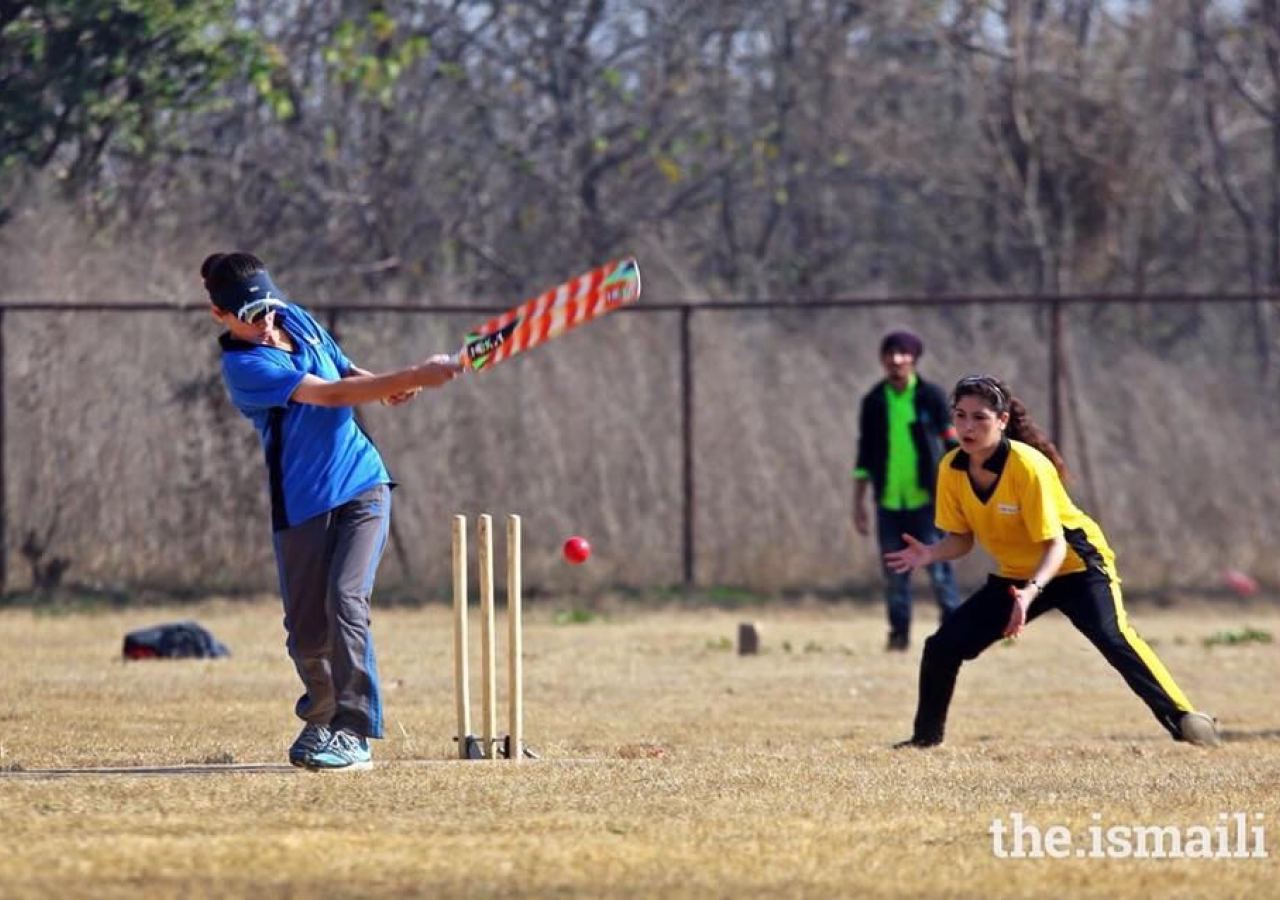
(327, 566)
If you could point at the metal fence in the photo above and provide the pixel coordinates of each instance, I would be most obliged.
(112, 414)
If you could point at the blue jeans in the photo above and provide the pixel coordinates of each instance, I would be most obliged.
(890, 526)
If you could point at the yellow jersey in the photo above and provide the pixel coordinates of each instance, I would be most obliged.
(1027, 506)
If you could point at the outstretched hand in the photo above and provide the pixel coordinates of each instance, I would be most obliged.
(431, 373)
(912, 556)
(1022, 598)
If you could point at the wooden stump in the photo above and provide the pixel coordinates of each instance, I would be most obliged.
(748, 639)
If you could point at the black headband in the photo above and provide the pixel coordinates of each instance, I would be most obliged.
(987, 381)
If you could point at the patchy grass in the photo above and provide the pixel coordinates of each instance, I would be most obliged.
(1245, 635)
(672, 766)
(574, 616)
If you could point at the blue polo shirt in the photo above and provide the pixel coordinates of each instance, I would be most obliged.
(318, 457)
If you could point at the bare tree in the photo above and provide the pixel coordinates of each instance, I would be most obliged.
(1223, 73)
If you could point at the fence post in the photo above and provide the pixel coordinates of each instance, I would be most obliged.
(686, 437)
(4, 503)
(1056, 354)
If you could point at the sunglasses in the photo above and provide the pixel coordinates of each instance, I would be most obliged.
(254, 311)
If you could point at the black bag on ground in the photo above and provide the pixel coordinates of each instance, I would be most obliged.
(174, 640)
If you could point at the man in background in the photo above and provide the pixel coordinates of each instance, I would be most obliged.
(904, 427)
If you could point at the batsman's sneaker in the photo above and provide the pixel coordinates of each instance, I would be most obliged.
(309, 740)
(344, 750)
(1199, 728)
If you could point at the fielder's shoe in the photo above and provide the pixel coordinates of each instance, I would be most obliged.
(1199, 729)
(918, 743)
(344, 750)
(897, 642)
(309, 740)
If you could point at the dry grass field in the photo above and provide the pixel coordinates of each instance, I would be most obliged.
(672, 767)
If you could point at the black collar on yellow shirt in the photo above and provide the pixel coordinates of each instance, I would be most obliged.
(994, 463)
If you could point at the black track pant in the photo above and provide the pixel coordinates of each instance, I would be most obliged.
(1090, 599)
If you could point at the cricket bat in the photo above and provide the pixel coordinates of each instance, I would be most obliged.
(552, 313)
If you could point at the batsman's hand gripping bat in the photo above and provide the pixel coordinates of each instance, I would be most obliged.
(552, 313)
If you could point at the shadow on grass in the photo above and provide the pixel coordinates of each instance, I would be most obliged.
(1258, 734)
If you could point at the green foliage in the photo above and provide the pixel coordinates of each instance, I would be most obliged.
(369, 56)
(1240, 636)
(734, 596)
(812, 646)
(575, 616)
(81, 77)
(816, 647)
(268, 73)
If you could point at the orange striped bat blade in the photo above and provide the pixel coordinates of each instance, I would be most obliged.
(552, 313)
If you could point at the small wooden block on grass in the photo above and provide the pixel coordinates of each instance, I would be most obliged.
(748, 639)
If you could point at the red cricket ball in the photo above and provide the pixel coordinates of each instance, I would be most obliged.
(1240, 582)
(576, 549)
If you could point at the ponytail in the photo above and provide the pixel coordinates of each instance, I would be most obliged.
(1021, 428)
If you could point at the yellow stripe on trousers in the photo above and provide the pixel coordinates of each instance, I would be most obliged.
(1145, 653)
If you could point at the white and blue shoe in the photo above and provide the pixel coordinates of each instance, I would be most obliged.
(344, 750)
(312, 737)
